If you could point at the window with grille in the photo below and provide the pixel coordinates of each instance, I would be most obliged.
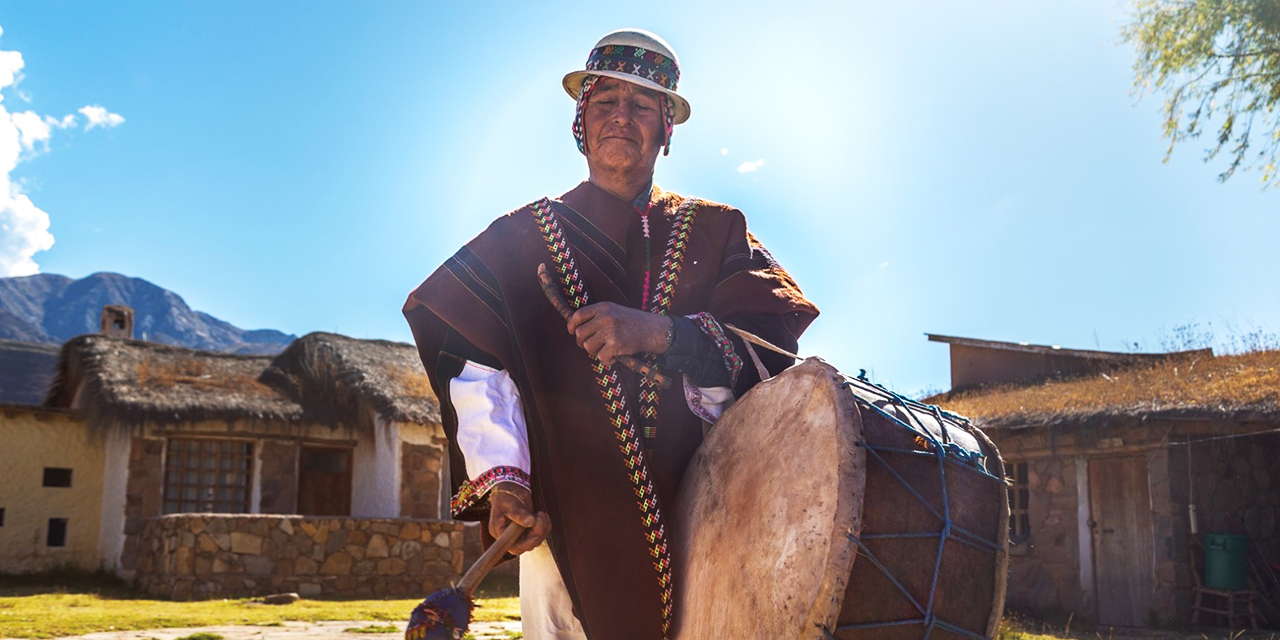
(1019, 503)
(207, 476)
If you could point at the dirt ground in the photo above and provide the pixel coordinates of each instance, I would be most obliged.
(298, 631)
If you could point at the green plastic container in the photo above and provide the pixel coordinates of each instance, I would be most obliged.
(1225, 561)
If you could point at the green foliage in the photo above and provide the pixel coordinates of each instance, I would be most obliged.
(203, 635)
(1218, 62)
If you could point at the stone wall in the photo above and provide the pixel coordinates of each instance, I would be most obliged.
(1044, 571)
(142, 495)
(215, 556)
(1230, 479)
(1231, 483)
(420, 481)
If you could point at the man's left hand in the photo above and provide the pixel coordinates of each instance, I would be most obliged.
(607, 330)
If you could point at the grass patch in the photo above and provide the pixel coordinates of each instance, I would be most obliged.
(497, 599)
(1061, 625)
(373, 628)
(203, 635)
(59, 605)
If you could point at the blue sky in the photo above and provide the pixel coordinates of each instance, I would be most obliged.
(978, 169)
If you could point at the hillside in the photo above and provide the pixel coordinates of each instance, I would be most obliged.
(51, 309)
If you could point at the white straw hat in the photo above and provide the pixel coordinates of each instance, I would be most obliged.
(635, 56)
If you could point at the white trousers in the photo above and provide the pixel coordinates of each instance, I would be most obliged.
(546, 612)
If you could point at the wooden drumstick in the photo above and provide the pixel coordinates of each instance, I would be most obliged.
(446, 613)
(552, 291)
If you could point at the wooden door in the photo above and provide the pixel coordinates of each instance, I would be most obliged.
(1124, 568)
(324, 482)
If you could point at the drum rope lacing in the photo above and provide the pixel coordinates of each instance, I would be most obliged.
(941, 450)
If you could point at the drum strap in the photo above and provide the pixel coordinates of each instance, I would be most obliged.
(634, 455)
(748, 338)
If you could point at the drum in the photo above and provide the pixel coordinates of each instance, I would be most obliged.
(822, 506)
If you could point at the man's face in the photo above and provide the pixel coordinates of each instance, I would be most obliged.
(623, 126)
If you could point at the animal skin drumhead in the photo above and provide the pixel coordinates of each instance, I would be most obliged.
(765, 511)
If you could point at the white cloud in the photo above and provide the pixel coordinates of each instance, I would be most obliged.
(24, 227)
(748, 167)
(24, 231)
(10, 68)
(100, 117)
(66, 122)
(884, 265)
(31, 129)
(724, 151)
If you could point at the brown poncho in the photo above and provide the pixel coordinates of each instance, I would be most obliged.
(487, 297)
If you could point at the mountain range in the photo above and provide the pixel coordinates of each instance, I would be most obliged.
(49, 308)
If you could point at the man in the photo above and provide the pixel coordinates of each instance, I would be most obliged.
(547, 427)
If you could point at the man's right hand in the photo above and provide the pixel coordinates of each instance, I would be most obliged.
(510, 502)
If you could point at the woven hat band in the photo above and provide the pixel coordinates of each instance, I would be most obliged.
(639, 62)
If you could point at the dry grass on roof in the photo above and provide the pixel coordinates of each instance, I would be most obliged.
(1247, 382)
(196, 374)
(322, 378)
(411, 381)
(135, 381)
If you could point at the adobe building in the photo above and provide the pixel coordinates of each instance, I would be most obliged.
(982, 363)
(1109, 468)
(51, 496)
(200, 474)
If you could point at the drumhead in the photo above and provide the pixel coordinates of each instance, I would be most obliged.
(764, 515)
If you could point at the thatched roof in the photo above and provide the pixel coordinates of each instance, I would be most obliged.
(320, 377)
(325, 368)
(1245, 386)
(26, 369)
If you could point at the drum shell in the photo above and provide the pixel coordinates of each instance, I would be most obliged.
(905, 493)
(873, 560)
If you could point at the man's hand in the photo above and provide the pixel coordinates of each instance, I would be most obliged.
(607, 330)
(510, 502)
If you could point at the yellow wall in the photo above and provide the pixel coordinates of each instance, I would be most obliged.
(30, 440)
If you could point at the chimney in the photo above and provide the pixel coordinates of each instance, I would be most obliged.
(117, 321)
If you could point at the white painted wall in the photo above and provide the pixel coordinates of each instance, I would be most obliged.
(115, 478)
(255, 491)
(375, 474)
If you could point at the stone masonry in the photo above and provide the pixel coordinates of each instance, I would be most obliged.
(1228, 475)
(194, 556)
(1044, 568)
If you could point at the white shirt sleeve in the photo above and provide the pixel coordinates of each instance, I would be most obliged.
(708, 403)
(491, 429)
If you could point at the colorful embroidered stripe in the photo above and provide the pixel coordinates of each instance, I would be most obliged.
(637, 61)
(473, 491)
(709, 326)
(611, 391)
(672, 260)
(663, 296)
